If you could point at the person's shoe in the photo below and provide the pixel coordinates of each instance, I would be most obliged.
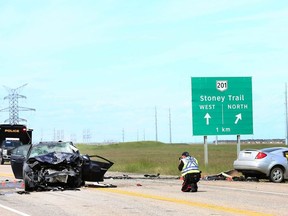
(193, 190)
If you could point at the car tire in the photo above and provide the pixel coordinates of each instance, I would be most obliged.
(27, 187)
(2, 161)
(276, 175)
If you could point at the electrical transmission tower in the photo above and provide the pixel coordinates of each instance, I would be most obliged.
(13, 108)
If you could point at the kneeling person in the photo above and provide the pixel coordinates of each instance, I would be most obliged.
(189, 168)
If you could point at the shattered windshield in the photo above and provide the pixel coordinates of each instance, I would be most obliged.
(43, 149)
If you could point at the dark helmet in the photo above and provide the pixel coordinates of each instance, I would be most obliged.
(186, 154)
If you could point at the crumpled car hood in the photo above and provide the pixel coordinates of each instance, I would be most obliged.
(54, 169)
(55, 158)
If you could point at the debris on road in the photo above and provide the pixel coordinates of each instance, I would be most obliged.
(152, 176)
(99, 185)
(23, 192)
(146, 176)
(231, 175)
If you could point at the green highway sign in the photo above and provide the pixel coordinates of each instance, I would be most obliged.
(222, 105)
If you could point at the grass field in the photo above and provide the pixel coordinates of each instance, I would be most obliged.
(155, 157)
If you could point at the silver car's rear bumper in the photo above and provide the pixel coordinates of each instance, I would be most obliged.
(252, 166)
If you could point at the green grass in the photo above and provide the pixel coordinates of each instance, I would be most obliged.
(155, 157)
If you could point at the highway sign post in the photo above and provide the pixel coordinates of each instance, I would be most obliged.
(222, 106)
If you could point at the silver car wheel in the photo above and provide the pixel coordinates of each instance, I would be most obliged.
(276, 175)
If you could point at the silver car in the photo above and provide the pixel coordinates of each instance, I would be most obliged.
(268, 163)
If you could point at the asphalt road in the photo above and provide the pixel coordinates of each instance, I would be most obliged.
(141, 196)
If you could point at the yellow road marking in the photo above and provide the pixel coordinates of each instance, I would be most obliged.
(186, 202)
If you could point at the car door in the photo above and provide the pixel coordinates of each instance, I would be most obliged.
(94, 170)
(18, 156)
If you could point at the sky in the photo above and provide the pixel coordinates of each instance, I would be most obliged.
(104, 71)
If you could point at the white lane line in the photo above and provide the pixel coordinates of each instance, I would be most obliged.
(13, 210)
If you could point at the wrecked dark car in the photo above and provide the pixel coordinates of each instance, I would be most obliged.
(50, 165)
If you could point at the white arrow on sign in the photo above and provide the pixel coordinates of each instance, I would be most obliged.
(238, 117)
(207, 117)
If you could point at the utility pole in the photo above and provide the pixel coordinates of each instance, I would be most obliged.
(123, 135)
(170, 130)
(286, 108)
(156, 131)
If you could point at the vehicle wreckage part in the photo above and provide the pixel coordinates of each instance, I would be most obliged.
(99, 168)
(49, 165)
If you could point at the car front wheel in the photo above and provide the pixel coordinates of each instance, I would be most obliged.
(276, 175)
(27, 186)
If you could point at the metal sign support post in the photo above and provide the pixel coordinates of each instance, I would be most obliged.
(238, 145)
(205, 151)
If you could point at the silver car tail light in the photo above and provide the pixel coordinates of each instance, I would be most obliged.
(260, 155)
